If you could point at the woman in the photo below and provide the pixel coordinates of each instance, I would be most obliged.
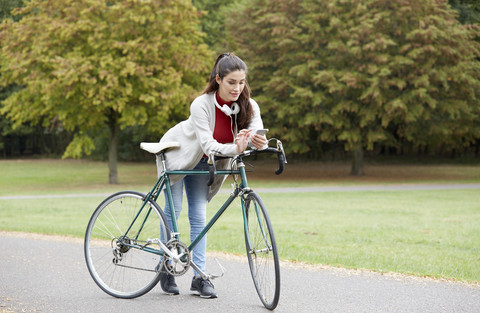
(221, 120)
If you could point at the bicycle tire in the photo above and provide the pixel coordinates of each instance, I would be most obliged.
(117, 267)
(262, 251)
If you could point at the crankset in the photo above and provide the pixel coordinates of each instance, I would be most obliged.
(179, 263)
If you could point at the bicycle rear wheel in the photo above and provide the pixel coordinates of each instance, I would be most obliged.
(262, 251)
(122, 263)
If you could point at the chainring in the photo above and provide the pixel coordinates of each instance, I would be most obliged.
(181, 263)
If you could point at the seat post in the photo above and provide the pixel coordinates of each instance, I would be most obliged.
(162, 157)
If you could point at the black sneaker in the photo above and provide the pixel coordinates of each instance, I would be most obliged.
(167, 282)
(203, 287)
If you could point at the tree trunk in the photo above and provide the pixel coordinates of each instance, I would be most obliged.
(357, 162)
(113, 147)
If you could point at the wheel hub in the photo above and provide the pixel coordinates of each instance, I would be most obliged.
(120, 246)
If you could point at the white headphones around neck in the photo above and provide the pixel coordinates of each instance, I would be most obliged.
(229, 111)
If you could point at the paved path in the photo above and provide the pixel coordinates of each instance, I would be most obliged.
(48, 274)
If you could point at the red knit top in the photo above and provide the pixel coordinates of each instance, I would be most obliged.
(224, 128)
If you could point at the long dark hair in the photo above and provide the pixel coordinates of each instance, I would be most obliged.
(224, 65)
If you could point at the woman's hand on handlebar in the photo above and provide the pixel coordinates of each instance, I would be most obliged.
(242, 140)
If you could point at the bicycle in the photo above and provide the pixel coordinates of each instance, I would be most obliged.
(128, 242)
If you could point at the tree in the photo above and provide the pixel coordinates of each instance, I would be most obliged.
(5, 125)
(469, 10)
(6, 7)
(362, 72)
(213, 22)
(84, 64)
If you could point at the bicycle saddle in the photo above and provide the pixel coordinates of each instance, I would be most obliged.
(159, 147)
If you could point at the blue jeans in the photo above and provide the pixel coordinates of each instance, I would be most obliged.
(197, 191)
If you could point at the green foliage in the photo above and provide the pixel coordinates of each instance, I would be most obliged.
(213, 22)
(144, 60)
(469, 10)
(362, 72)
(6, 7)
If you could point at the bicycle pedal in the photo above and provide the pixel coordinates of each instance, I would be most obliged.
(213, 276)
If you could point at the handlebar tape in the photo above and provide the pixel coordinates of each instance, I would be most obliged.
(281, 164)
(211, 169)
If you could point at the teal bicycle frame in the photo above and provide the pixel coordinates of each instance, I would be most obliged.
(163, 182)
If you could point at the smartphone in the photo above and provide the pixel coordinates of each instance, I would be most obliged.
(261, 131)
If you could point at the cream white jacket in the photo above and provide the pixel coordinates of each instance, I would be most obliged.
(195, 136)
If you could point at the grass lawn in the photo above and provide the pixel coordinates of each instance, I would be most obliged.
(426, 233)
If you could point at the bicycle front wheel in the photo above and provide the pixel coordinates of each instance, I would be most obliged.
(262, 251)
(118, 250)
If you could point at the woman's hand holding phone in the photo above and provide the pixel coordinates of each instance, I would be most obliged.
(258, 139)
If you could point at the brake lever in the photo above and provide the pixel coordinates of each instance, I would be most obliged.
(211, 168)
(280, 147)
(282, 160)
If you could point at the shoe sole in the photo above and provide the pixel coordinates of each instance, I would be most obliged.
(196, 293)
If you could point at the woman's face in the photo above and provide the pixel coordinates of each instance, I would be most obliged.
(231, 86)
